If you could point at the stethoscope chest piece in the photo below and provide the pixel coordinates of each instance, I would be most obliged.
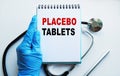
(95, 25)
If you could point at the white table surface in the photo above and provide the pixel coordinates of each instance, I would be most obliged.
(15, 16)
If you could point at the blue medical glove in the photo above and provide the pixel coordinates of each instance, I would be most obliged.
(29, 57)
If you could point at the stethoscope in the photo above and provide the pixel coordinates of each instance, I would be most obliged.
(94, 25)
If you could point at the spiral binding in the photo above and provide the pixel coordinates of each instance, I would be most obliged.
(59, 6)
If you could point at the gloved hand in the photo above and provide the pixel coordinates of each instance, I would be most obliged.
(29, 57)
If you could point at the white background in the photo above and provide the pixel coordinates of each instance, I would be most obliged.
(15, 16)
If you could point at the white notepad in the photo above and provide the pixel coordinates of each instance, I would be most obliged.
(60, 30)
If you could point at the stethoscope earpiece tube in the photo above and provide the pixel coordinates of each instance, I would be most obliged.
(6, 50)
(48, 73)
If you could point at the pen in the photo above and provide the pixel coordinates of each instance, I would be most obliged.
(95, 65)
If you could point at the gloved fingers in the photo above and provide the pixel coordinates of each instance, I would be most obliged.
(36, 41)
(30, 32)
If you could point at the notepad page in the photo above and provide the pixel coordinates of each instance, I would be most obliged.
(60, 32)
